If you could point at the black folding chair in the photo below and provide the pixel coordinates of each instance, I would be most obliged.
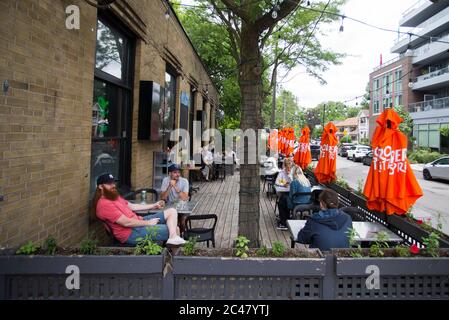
(201, 233)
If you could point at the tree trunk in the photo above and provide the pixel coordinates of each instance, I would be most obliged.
(273, 103)
(250, 82)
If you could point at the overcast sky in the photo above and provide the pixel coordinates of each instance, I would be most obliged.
(363, 45)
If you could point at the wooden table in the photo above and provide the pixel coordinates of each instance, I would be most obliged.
(367, 231)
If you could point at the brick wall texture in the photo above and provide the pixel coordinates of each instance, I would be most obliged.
(46, 115)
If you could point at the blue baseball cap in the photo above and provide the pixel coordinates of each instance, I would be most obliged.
(105, 178)
(174, 167)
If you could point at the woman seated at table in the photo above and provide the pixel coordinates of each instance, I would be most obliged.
(286, 203)
(328, 228)
(283, 179)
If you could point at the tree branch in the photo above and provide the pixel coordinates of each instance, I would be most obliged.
(267, 21)
(231, 5)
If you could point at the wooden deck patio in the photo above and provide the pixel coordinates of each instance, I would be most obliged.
(222, 199)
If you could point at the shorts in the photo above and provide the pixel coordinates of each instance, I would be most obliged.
(158, 232)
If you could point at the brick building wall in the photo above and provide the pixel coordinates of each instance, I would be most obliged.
(46, 115)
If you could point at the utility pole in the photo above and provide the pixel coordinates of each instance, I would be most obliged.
(273, 102)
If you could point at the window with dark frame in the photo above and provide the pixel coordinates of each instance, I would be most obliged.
(112, 103)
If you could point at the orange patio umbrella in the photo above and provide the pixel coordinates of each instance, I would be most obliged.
(289, 141)
(327, 163)
(391, 185)
(273, 140)
(303, 157)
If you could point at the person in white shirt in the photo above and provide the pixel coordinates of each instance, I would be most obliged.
(284, 177)
(208, 160)
(174, 187)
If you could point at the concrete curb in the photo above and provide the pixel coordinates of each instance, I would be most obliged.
(417, 166)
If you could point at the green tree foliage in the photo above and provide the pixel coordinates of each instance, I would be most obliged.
(407, 124)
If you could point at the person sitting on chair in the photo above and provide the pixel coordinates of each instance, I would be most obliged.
(299, 184)
(208, 159)
(328, 228)
(174, 187)
(126, 226)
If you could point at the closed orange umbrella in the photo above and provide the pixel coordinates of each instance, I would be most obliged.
(273, 140)
(303, 157)
(327, 163)
(391, 185)
(289, 141)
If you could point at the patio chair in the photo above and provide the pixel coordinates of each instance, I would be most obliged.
(201, 233)
(219, 171)
(112, 240)
(271, 180)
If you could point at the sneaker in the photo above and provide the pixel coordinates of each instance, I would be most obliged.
(176, 241)
(281, 226)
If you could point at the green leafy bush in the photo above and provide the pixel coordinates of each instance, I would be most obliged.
(402, 251)
(376, 249)
(432, 244)
(241, 243)
(189, 247)
(146, 245)
(50, 246)
(424, 156)
(28, 248)
(88, 245)
(262, 251)
(278, 249)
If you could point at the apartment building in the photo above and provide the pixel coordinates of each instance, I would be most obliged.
(418, 78)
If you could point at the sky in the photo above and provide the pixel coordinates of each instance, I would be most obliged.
(362, 44)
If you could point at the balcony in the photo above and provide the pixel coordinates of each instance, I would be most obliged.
(435, 104)
(421, 11)
(433, 80)
(431, 51)
(434, 26)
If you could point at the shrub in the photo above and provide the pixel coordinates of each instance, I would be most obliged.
(278, 249)
(50, 246)
(88, 245)
(28, 248)
(424, 156)
(432, 244)
(241, 243)
(262, 251)
(189, 247)
(146, 245)
(402, 251)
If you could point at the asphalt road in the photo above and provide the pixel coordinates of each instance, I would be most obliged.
(434, 202)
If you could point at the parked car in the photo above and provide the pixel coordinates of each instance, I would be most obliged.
(366, 160)
(343, 149)
(438, 169)
(357, 152)
(315, 151)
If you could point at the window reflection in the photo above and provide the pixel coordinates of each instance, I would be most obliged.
(110, 51)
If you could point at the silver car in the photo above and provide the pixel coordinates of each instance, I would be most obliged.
(438, 169)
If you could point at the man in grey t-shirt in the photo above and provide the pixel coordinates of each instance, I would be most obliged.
(174, 187)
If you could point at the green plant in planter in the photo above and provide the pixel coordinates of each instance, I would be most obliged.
(360, 186)
(342, 183)
(278, 249)
(357, 252)
(241, 244)
(28, 248)
(189, 247)
(376, 249)
(432, 244)
(88, 245)
(262, 251)
(50, 246)
(402, 251)
(146, 245)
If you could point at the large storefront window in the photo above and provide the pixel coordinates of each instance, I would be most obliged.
(111, 107)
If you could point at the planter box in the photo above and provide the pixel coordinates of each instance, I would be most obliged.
(251, 278)
(399, 278)
(101, 277)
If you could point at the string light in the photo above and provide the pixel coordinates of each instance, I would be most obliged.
(167, 14)
(341, 27)
(276, 8)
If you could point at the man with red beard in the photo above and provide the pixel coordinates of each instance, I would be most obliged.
(125, 225)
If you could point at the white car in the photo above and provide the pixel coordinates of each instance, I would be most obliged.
(438, 169)
(357, 152)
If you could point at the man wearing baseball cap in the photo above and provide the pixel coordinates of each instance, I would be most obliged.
(174, 187)
(126, 226)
